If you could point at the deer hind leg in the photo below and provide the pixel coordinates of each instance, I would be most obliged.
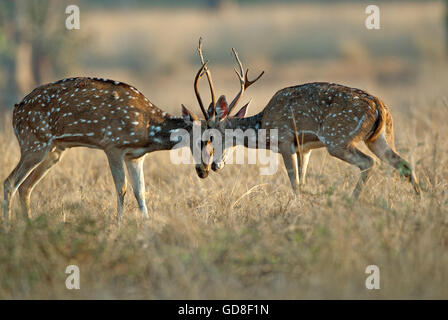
(116, 164)
(386, 153)
(35, 176)
(135, 170)
(27, 163)
(290, 161)
(303, 158)
(354, 156)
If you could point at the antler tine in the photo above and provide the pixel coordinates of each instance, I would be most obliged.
(200, 50)
(247, 82)
(240, 75)
(244, 80)
(209, 75)
(240, 65)
(196, 90)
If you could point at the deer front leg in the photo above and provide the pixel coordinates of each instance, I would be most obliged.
(290, 161)
(116, 164)
(135, 170)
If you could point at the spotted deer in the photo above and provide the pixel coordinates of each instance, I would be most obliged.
(311, 116)
(96, 113)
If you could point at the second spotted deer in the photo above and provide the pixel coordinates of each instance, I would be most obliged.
(316, 115)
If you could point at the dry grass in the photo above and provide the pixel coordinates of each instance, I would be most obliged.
(204, 240)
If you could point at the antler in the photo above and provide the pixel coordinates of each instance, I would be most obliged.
(209, 76)
(196, 90)
(244, 81)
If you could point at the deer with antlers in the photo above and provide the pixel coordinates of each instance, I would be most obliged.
(96, 113)
(311, 116)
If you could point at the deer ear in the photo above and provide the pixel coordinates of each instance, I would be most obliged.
(222, 109)
(188, 116)
(211, 111)
(243, 111)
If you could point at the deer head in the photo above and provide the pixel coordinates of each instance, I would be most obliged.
(222, 120)
(202, 168)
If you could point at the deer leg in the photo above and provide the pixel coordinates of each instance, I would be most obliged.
(116, 164)
(35, 176)
(25, 166)
(290, 161)
(303, 158)
(386, 153)
(135, 170)
(354, 156)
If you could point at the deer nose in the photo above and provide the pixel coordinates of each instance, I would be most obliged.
(216, 166)
(201, 172)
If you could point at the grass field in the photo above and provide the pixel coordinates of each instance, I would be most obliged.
(237, 234)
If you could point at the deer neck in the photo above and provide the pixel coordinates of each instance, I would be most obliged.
(159, 134)
(249, 123)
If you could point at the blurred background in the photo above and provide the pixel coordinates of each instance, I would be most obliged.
(152, 45)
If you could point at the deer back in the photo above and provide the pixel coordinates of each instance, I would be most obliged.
(336, 114)
(86, 112)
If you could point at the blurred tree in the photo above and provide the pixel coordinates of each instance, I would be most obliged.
(34, 45)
